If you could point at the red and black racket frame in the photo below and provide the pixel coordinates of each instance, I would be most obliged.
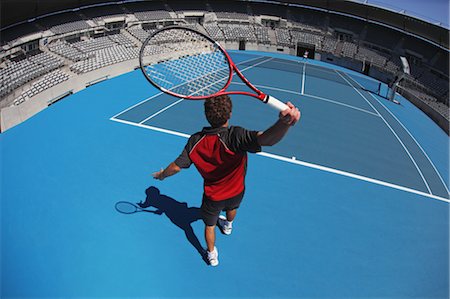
(232, 67)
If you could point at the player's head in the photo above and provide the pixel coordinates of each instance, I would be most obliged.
(218, 110)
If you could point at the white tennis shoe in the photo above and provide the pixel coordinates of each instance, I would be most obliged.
(225, 226)
(213, 257)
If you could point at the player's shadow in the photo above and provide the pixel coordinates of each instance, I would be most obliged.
(178, 212)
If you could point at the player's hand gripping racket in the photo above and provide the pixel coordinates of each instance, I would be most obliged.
(188, 64)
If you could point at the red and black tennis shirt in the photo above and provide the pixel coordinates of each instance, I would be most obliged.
(220, 155)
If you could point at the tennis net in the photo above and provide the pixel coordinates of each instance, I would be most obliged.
(315, 71)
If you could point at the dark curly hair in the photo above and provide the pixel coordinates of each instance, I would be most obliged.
(218, 110)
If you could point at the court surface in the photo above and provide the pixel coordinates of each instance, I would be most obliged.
(352, 203)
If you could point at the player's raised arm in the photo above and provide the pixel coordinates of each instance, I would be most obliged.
(275, 133)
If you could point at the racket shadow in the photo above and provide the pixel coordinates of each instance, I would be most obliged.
(178, 213)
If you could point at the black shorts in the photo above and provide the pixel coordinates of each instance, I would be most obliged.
(211, 209)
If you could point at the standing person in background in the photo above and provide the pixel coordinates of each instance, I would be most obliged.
(305, 55)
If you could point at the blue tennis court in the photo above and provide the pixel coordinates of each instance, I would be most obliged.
(352, 203)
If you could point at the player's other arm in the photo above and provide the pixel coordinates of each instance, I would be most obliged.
(183, 161)
(275, 133)
(168, 171)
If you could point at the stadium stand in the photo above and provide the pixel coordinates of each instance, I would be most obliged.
(104, 57)
(64, 49)
(81, 41)
(46, 82)
(231, 16)
(62, 22)
(283, 37)
(16, 74)
(70, 27)
(214, 31)
(92, 45)
(329, 44)
(365, 54)
(262, 34)
(139, 33)
(155, 15)
(236, 32)
(306, 37)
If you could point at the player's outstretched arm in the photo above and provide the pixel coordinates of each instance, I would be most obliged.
(168, 171)
(275, 133)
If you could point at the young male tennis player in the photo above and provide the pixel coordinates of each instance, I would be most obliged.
(219, 153)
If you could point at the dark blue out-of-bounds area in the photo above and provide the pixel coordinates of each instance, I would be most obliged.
(352, 203)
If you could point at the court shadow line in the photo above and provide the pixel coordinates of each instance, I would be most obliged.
(178, 213)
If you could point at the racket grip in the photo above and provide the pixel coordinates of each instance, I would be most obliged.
(275, 103)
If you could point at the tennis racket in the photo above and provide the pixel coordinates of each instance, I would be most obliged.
(188, 64)
(126, 207)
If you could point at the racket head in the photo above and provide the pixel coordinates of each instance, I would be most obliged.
(185, 63)
(126, 207)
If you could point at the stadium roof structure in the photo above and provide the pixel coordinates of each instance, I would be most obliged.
(16, 12)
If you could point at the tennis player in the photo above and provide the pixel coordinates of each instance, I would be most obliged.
(219, 153)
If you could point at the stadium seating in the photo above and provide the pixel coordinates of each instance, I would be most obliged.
(231, 16)
(236, 32)
(306, 37)
(66, 50)
(368, 55)
(104, 57)
(329, 44)
(349, 49)
(283, 37)
(152, 15)
(139, 33)
(214, 31)
(97, 49)
(47, 81)
(262, 34)
(16, 74)
(70, 27)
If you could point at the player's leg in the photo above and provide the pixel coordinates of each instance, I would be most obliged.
(231, 214)
(210, 237)
(231, 207)
(210, 213)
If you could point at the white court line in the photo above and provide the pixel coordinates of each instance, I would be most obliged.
(342, 104)
(141, 102)
(151, 128)
(179, 101)
(303, 78)
(392, 130)
(311, 96)
(161, 111)
(409, 133)
(160, 93)
(302, 163)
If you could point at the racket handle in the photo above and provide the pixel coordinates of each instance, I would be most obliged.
(275, 103)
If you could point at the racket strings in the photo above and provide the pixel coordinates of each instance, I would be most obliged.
(186, 63)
